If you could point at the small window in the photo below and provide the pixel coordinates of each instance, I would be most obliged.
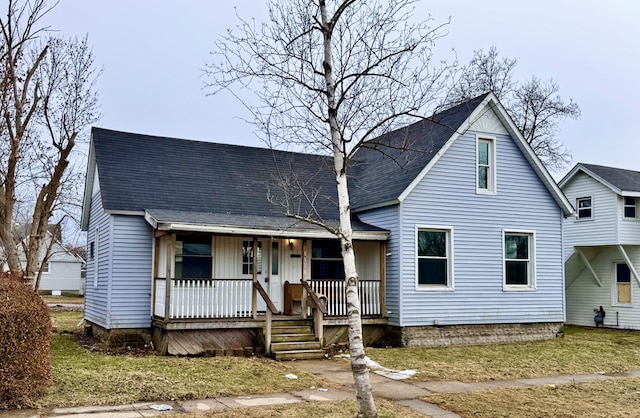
(486, 165)
(193, 257)
(91, 249)
(518, 260)
(46, 268)
(433, 258)
(247, 257)
(623, 284)
(326, 259)
(629, 207)
(585, 208)
(275, 254)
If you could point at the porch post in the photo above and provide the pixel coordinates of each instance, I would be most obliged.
(254, 294)
(383, 278)
(168, 282)
(303, 300)
(267, 333)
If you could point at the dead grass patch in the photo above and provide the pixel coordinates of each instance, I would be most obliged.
(610, 398)
(84, 377)
(345, 409)
(580, 351)
(76, 300)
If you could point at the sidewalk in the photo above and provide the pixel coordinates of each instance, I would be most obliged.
(403, 392)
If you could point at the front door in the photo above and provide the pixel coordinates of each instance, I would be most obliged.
(268, 267)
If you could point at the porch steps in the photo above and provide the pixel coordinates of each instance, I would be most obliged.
(293, 339)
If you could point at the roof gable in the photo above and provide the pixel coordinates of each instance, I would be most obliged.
(388, 177)
(621, 181)
(386, 166)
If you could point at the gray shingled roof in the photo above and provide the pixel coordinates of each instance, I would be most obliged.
(383, 169)
(177, 176)
(623, 180)
(138, 172)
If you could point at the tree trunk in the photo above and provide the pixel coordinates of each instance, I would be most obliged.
(362, 384)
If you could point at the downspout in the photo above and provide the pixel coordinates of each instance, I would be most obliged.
(564, 289)
(400, 267)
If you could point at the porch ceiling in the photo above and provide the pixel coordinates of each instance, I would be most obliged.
(271, 226)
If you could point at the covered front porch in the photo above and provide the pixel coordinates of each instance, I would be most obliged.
(219, 291)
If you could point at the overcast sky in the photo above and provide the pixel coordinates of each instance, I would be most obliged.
(153, 53)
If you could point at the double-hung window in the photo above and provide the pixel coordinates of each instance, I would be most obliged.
(519, 261)
(247, 257)
(486, 167)
(629, 207)
(434, 259)
(585, 207)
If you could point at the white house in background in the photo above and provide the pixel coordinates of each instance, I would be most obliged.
(602, 246)
(62, 270)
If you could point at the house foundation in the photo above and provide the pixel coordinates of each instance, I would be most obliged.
(459, 335)
(121, 337)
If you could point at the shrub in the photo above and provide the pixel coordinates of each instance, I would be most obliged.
(25, 337)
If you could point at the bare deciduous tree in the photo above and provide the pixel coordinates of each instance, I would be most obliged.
(47, 99)
(330, 75)
(534, 105)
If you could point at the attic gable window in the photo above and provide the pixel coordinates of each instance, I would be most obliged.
(629, 207)
(585, 207)
(485, 176)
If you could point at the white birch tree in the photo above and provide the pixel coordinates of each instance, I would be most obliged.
(330, 76)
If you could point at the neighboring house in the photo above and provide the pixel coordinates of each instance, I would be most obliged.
(62, 270)
(457, 229)
(602, 246)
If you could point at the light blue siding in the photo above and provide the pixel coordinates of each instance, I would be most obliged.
(447, 197)
(388, 218)
(131, 273)
(122, 298)
(96, 297)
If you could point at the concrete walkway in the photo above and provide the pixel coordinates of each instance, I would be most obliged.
(339, 372)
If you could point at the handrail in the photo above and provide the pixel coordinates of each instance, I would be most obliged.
(266, 297)
(314, 296)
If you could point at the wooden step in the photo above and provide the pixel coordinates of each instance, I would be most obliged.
(294, 329)
(299, 355)
(287, 338)
(295, 346)
(277, 322)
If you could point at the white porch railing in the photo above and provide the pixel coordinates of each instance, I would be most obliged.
(335, 291)
(203, 298)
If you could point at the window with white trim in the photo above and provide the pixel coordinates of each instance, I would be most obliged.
(433, 263)
(519, 261)
(247, 257)
(46, 267)
(622, 290)
(585, 207)
(485, 175)
(629, 207)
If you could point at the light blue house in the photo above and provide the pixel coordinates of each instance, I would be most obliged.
(457, 229)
